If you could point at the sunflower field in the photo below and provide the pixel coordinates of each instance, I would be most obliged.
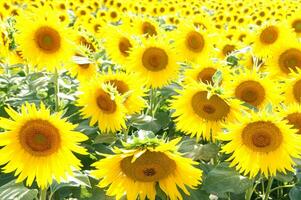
(150, 100)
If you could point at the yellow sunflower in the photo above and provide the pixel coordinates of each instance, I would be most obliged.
(193, 43)
(259, 141)
(118, 43)
(253, 88)
(82, 68)
(204, 72)
(286, 57)
(35, 141)
(136, 172)
(103, 104)
(295, 22)
(43, 41)
(127, 84)
(292, 113)
(292, 87)
(200, 111)
(146, 26)
(268, 36)
(155, 61)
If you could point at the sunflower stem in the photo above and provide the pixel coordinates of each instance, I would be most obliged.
(250, 190)
(56, 90)
(43, 194)
(268, 189)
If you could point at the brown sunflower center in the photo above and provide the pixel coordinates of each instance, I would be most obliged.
(206, 75)
(262, 136)
(154, 59)
(48, 39)
(195, 41)
(228, 49)
(149, 29)
(290, 59)
(124, 46)
(39, 137)
(250, 92)
(212, 109)
(84, 66)
(297, 25)
(295, 120)
(149, 167)
(121, 86)
(105, 103)
(297, 90)
(269, 35)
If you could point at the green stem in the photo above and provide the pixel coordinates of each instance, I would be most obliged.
(43, 194)
(268, 189)
(56, 90)
(250, 190)
(125, 134)
(281, 186)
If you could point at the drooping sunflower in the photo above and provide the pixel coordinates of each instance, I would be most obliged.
(118, 45)
(103, 104)
(254, 88)
(292, 87)
(200, 111)
(136, 172)
(268, 36)
(193, 43)
(41, 139)
(155, 61)
(259, 141)
(127, 84)
(286, 57)
(43, 40)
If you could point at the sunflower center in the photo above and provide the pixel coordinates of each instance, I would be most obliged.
(154, 59)
(297, 25)
(124, 46)
(39, 137)
(48, 39)
(269, 35)
(262, 136)
(290, 59)
(212, 109)
(206, 75)
(297, 91)
(228, 49)
(195, 41)
(84, 66)
(250, 92)
(105, 103)
(121, 86)
(149, 29)
(295, 120)
(149, 167)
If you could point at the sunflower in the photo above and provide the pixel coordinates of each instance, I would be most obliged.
(127, 84)
(292, 113)
(286, 57)
(227, 46)
(103, 104)
(155, 61)
(295, 23)
(136, 172)
(253, 88)
(41, 139)
(43, 41)
(193, 43)
(118, 45)
(268, 36)
(259, 141)
(204, 72)
(83, 68)
(200, 111)
(292, 87)
(146, 26)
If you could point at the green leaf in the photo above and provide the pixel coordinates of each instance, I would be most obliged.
(12, 191)
(223, 179)
(105, 138)
(289, 176)
(206, 152)
(295, 193)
